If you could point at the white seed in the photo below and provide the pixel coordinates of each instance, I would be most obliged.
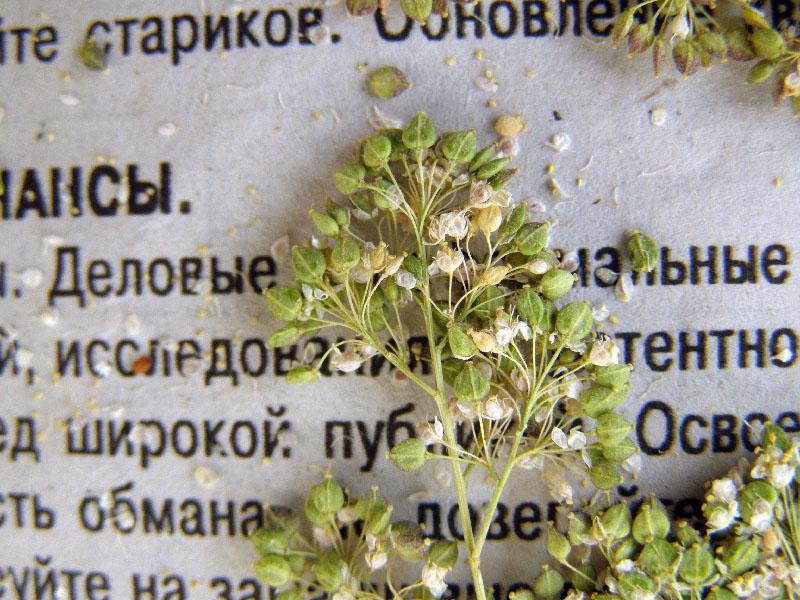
(167, 129)
(624, 288)
(68, 99)
(606, 275)
(132, 324)
(320, 36)
(658, 116)
(600, 313)
(570, 261)
(49, 317)
(205, 476)
(31, 277)
(486, 84)
(103, 368)
(560, 142)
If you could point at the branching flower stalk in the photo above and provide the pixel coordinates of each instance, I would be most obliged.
(429, 238)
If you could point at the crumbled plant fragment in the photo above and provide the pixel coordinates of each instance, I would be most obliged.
(92, 56)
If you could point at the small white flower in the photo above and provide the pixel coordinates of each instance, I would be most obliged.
(539, 266)
(624, 288)
(723, 490)
(433, 578)
(722, 516)
(762, 516)
(376, 559)
(560, 438)
(679, 27)
(347, 361)
(570, 262)
(576, 439)
(633, 464)
(600, 313)
(431, 433)
(480, 195)
(531, 461)
(346, 514)
(519, 380)
(496, 408)
(322, 537)
(781, 475)
(405, 279)
(625, 566)
(508, 147)
(448, 260)
(604, 353)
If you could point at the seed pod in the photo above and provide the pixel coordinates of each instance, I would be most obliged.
(291, 594)
(408, 540)
(635, 585)
(531, 238)
(621, 27)
(308, 264)
(686, 58)
(651, 522)
(408, 455)
(375, 150)
(302, 375)
(420, 132)
(502, 179)
(774, 435)
(550, 316)
(740, 557)
(92, 56)
(638, 39)
(575, 321)
(515, 219)
(284, 302)
(612, 375)
(753, 493)
(627, 549)
(414, 266)
(739, 46)
(697, 565)
(349, 178)
(481, 158)
(328, 571)
(687, 535)
(487, 302)
(584, 578)
(471, 385)
(658, 557)
(346, 254)
(530, 307)
(360, 8)
(388, 82)
(618, 452)
(326, 225)
(556, 283)
(328, 496)
(721, 593)
(714, 43)
(754, 17)
(491, 168)
(549, 583)
(460, 343)
(419, 10)
(270, 540)
(612, 428)
(459, 146)
(489, 219)
(395, 136)
(557, 544)
(443, 553)
(659, 56)
(272, 569)
(767, 43)
(616, 520)
(283, 337)
(760, 71)
(643, 252)
(604, 474)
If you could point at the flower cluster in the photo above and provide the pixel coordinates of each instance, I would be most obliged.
(429, 241)
(419, 10)
(688, 30)
(747, 547)
(343, 543)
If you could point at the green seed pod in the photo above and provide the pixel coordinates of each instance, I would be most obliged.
(740, 557)
(635, 585)
(774, 435)
(549, 584)
(578, 528)
(621, 27)
(739, 46)
(530, 307)
(556, 283)
(643, 252)
(308, 264)
(721, 593)
(618, 452)
(360, 8)
(657, 557)
(451, 367)
(521, 595)
(585, 578)
(369, 503)
(328, 496)
(491, 168)
(313, 514)
(392, 291)
(754, 492)
(686, 58)
(651, 522)
(291, 594)
(362, 201)
(408, 455)
(407, 539)
(460, 343)
(301, 375)
(515, 219)
(284, 302)
(760, 71)
(326, 225)
(337, 213)
(471, 385)
(659, 56)
(420, 132)
(574, 321)
(92, 56)
(459, 146)
(697, 565)
(328, 571)
(627, 549)
(612, 375)
(414, 266)
(617, 521)
(754, 17)
(502, 179)
(638, 39)
(604, 474)
(687, 535)
(375, 151)
(767, 43)
(388, 82)
(482, 157)
(379, 521)
(612, 429)
(713, 43)
(531, 238)
(284, 336)
(345, 255)
(395, 136)
(419, 10)
(443, 553)
(272, 569)
(349, 178)
(270, 540)
(548, 322)
(557, 544)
